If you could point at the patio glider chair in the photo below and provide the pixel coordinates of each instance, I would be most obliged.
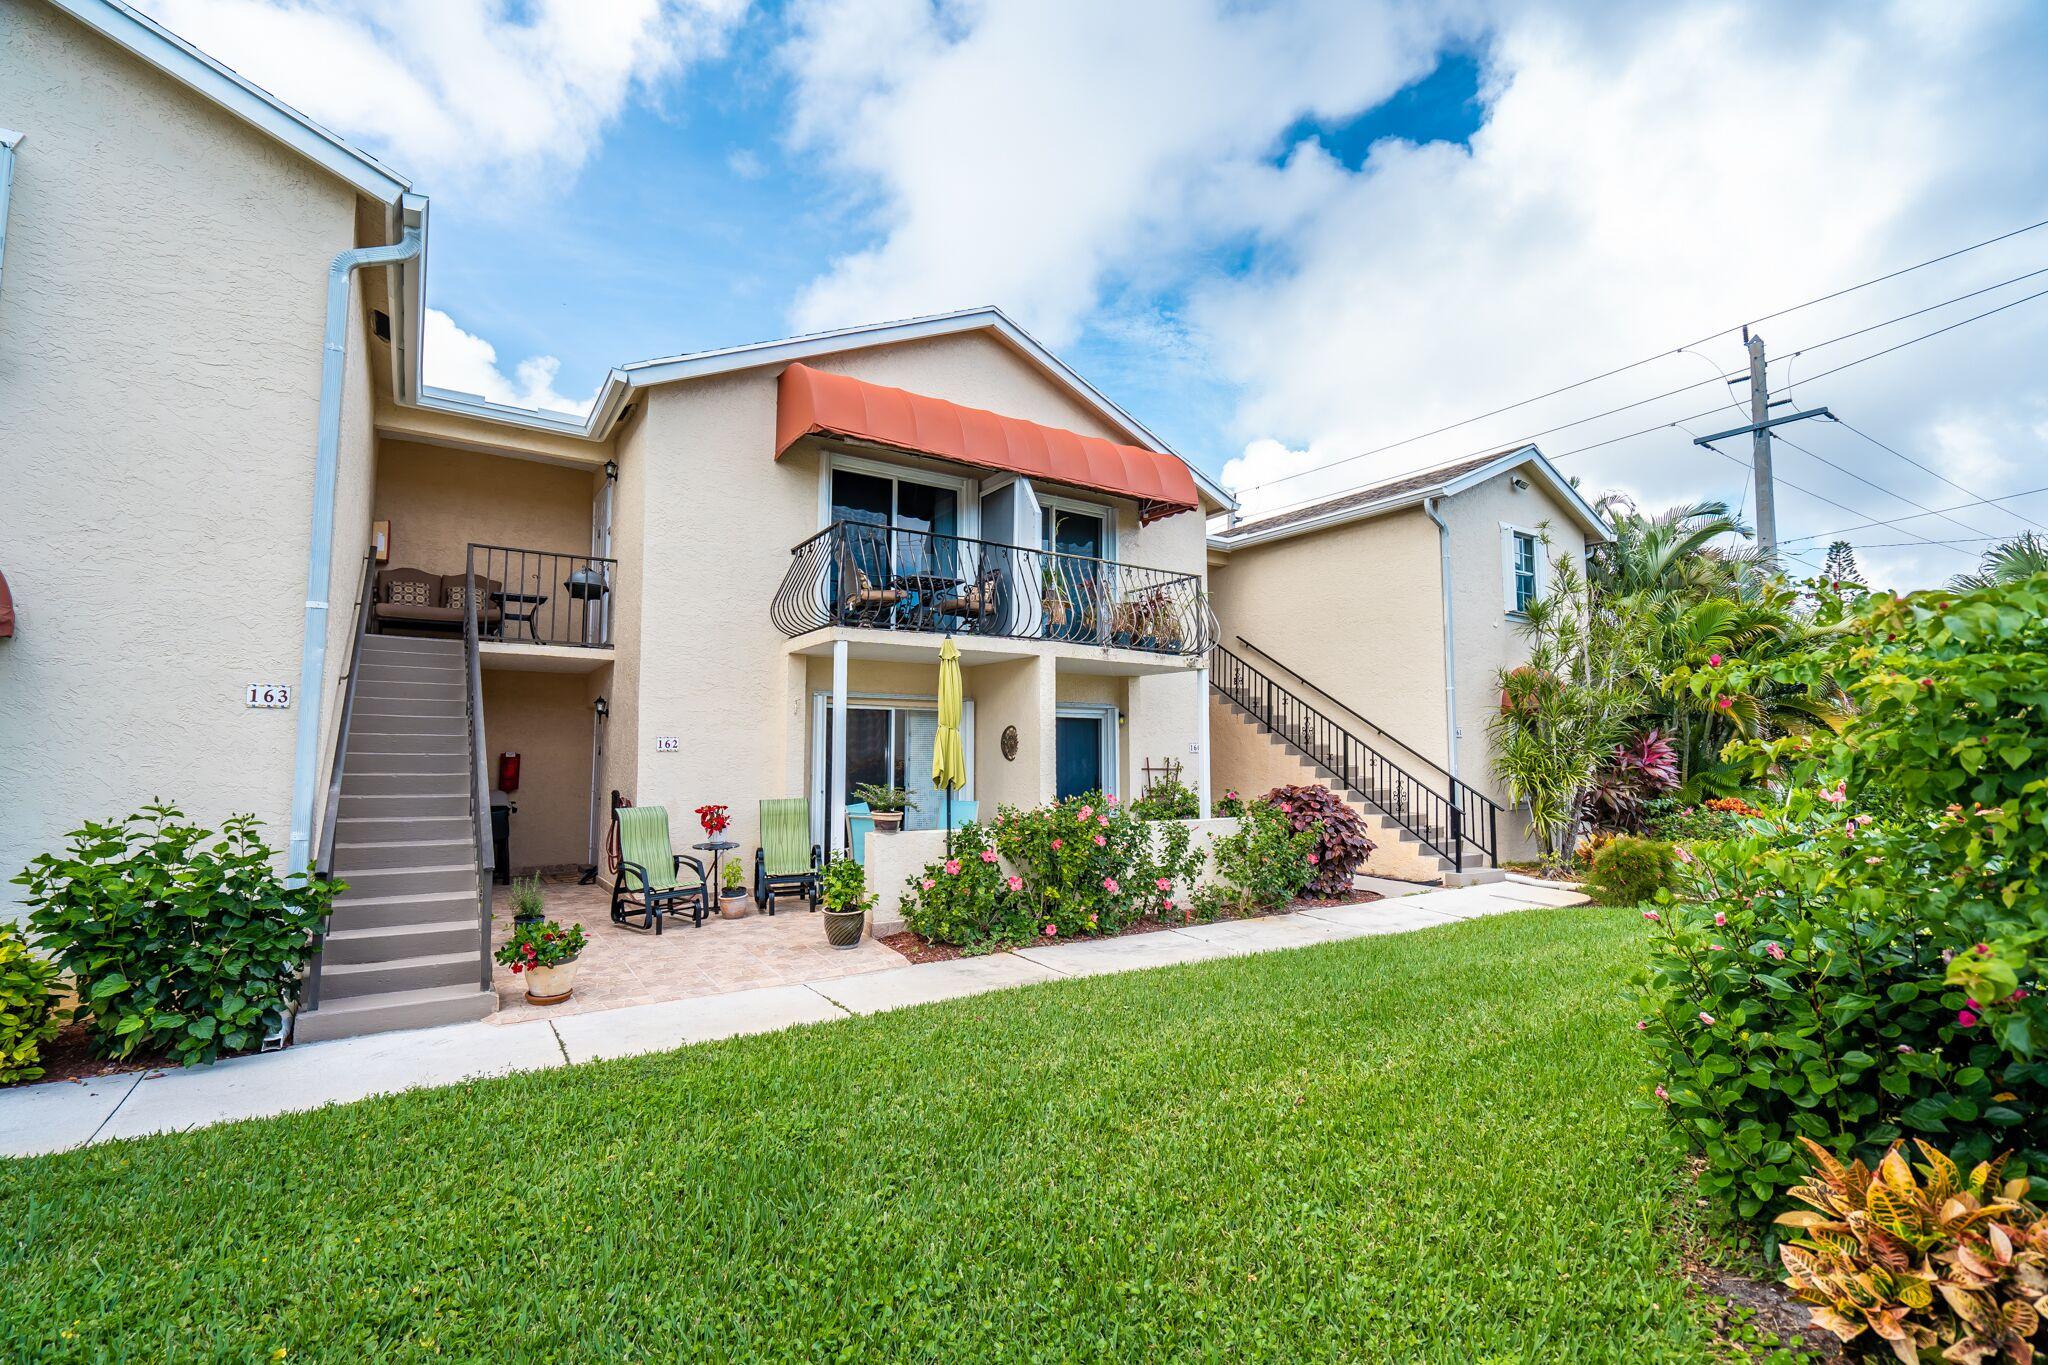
(653, 880)
(786, 862)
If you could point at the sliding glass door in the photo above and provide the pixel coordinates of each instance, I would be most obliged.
(914, 523)
(887, 742)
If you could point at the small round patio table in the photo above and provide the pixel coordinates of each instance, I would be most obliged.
(717, 848)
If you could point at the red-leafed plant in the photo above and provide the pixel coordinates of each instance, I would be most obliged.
(1635, 773)
(714, 820)
(1341, 842)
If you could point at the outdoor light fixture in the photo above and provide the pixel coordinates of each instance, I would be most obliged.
(611, 471)
(602, 708)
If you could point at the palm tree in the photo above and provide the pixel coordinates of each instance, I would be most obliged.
(2024, 556)
(1672, 554)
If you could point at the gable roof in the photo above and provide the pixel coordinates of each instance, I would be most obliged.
(141, 35)
(619, 386)
(1408, 490)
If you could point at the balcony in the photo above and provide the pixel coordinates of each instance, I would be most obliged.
(872, 577)
(539, 597)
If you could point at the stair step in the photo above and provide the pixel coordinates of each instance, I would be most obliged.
(369, 671)
(358, 855)
(390, 942)
(406, 688)
(351, 828)
(411, 644)
(405, 723)
(348, 980)
(357, 806)
(364, 910)
(414, 881)
(409, 706)
(409, 783)
(392, 1010)
(400, 761)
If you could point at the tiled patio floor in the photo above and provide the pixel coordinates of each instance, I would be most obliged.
(622, 966)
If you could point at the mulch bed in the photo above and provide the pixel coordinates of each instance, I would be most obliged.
(918, 948)
(69, 1057)
(1744, 1302)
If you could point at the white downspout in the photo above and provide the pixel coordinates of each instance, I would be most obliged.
(9, 140)
(1443, 541)
(319, 554)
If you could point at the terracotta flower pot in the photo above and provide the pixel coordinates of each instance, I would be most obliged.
(735, 904)
(550, 985)
(887, 821)
(842, 927)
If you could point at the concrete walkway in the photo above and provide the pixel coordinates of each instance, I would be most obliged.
(61, 1115)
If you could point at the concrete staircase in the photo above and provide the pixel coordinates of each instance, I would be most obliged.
(1397, 853)
(403, 943)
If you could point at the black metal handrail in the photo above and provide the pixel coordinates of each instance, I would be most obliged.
(888, 578)
(1442, 822)
(543, 597)
(479, 790)
(345, 711)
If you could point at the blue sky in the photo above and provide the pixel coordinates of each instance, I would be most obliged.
(712, 249)
(1288, 235)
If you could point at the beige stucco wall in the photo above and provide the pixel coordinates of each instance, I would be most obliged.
(1358, 609)
(720, 517)
(545, 718)
(160, 337)
(439, 500)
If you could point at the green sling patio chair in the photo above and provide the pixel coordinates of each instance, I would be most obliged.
(786, 862)
(653, 880)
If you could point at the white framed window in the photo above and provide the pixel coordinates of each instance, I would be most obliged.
(889, 740)
(955, 511)
(1070, 526)
(1521, 568)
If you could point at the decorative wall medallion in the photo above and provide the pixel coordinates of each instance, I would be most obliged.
(1010, 743)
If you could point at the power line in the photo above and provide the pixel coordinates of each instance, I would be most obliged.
(1822, 497)
(1638, 364)
(1888, 492)
(1956, 507)
(1924, 336)
(1931, 470)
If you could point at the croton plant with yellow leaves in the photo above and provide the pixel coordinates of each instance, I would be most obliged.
(1928, 1262)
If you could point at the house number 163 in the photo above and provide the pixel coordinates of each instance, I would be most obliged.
(270, 695)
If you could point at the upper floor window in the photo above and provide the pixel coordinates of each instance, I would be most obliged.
(1522, 568)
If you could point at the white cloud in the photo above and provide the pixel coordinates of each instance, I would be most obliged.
(474, 92)
(745, 163)
(465, 362)
(1643, 176)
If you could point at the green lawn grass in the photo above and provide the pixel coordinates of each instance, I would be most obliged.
(1417, 1147)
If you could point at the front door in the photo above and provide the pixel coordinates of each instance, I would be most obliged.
(1080, 755)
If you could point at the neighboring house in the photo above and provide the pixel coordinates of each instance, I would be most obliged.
(201, 423)
(1362, 638)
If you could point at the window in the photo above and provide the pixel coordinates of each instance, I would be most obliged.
(1522, 556)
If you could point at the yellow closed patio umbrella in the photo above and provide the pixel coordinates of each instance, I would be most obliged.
(949, 762)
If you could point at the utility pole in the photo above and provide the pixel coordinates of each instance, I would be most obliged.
(1760, 446)
(1759, 432)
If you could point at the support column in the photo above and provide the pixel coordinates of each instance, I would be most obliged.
(1045, 681)
(1202, 780)
(835, 790)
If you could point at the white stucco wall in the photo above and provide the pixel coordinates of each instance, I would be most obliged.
(160, 337)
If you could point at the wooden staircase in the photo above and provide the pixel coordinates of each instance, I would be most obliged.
(406, 946)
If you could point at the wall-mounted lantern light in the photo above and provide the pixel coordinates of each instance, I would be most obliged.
(611, 471)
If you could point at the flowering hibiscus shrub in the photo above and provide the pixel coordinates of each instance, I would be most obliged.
(1341, 844)
(1087, 865)
(969, 899)
(1863, 964)
(1260, 866)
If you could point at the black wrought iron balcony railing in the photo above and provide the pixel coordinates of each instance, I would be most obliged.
(539, 597)
(888, 578)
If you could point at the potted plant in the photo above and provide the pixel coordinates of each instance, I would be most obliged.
(846, 902)
(545, 953)
(886, 804)
(1053, 597)
(714, 820)
(529, 903)
(732, 893)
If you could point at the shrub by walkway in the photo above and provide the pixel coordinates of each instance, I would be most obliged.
(1412, 1147)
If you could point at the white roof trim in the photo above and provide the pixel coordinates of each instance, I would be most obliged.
(149, 40)
(1527, 455)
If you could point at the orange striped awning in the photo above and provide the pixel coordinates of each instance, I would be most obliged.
(813, 403)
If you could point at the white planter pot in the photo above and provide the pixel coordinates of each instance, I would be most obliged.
(550, 985)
